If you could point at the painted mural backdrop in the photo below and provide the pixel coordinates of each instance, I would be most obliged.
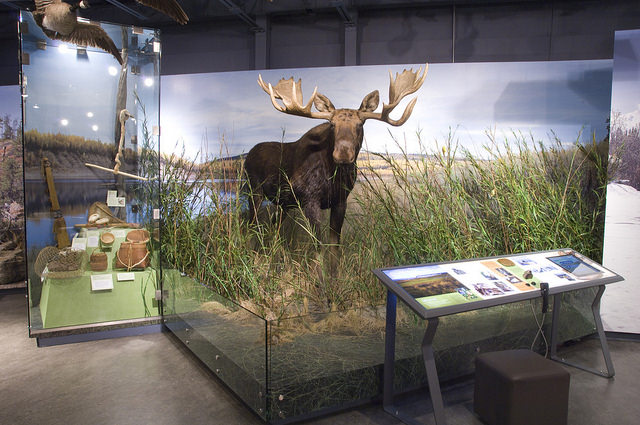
(622, 231)
(11, 188)
(496, 158)
(228, 113)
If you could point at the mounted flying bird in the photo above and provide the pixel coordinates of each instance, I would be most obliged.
(59, 21)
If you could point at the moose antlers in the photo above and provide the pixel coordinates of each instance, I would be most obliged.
(403, 85)
(290, 92)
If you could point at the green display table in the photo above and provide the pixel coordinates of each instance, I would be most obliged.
(72, 301)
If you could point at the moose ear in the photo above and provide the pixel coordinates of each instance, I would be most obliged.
(323, 104)
(370, 102)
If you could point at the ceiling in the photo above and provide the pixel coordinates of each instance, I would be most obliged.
(248, 11)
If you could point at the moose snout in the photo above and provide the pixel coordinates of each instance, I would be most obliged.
(344, 152)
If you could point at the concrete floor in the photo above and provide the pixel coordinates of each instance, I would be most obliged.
(153, 379)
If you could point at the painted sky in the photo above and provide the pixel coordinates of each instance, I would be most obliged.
(10, 101)
(626, 90)
(71, 93)
(538, 98)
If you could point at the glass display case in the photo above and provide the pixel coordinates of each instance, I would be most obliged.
(253, 291)
(91, 165)
(298, 367)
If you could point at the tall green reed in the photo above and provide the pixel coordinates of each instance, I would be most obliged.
(442, 204)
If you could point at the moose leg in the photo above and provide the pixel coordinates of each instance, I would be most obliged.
(255, 201)
(335, 227)
(313, 214)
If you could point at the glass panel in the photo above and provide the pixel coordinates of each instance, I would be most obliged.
(229, 339)
(320, 362)
(461, 336)
(91, 176)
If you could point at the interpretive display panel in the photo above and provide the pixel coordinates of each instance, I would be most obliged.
(438, 289)
(91, 166)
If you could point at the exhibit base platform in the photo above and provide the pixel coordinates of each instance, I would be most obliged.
(93, 332)
(73, 301)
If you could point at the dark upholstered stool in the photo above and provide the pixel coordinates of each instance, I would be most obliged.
(520, 387)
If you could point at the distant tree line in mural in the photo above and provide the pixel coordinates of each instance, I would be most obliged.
(10, 161)
(66, 151)
(11, 202)
(625, 148)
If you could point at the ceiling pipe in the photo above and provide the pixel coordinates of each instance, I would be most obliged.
(129, 10)
(10, 4)
(240, 13)
(343, 12)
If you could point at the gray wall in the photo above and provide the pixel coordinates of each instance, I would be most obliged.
(9, 47)
(517, 31)
(502, 31)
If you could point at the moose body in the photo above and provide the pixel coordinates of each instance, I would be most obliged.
(318, 171)
(302, 173)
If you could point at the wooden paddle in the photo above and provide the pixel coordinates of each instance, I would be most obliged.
(59, 225)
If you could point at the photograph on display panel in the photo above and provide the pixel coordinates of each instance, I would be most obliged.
(434, 287)
(622, 227)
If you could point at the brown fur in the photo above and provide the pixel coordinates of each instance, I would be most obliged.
(317, 171)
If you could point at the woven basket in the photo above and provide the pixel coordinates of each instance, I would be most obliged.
(106, 240)
(98, 261)
(138, 235)
(132, 255)
(67, 264)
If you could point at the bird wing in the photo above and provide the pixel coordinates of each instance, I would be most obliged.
(170, 8)
(41, 5)
(38, 16)
(91, 35)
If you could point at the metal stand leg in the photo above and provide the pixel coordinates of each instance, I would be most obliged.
(429, 364)
(595, 308)
(389, 353)
(432, 373)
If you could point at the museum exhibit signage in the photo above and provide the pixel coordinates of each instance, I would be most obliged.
(441, 289)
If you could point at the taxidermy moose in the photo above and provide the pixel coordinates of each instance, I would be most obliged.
(318, 171)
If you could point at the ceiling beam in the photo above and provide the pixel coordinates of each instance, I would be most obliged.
(240, 13)
(347, 19)
(129, 10)
(10, 4)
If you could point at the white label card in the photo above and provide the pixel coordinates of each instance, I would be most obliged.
(79, 244)
(119, 233)
(92, 241)
(101, 282)
(123, 277)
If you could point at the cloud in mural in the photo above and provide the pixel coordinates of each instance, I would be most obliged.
(626, 90)
(538, 98)
(10, 101)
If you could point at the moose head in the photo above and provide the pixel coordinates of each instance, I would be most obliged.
(347, 124)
